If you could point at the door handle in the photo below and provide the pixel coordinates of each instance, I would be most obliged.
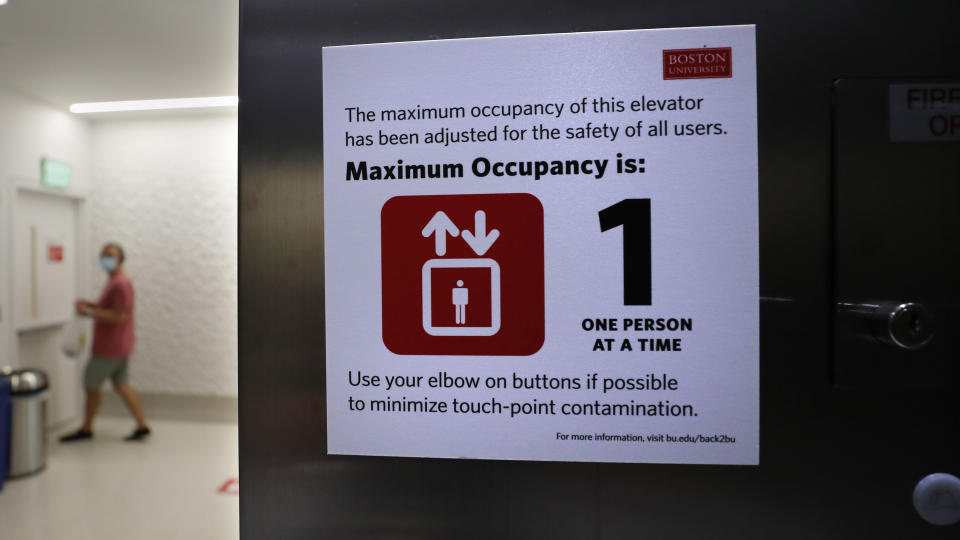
(904, 325)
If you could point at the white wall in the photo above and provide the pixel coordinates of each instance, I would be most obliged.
(166, 189)
(29, 131)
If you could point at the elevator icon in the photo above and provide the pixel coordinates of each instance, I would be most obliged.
(480, 241)
(460, 298)
(469, 288)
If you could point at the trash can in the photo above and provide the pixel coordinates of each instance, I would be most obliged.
(4, 427)
(28, 421)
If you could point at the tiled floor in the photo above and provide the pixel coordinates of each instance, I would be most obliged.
(107, 489)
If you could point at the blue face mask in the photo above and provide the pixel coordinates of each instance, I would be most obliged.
(109, 264)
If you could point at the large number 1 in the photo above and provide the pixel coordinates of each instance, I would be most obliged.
(634, 215)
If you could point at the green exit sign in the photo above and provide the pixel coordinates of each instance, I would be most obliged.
(54, 173)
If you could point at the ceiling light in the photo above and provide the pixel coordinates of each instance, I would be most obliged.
(153, 104)
(3, 2)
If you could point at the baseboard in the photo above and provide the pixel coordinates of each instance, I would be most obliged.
(176, 407)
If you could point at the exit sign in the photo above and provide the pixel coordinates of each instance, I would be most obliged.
(54, 173)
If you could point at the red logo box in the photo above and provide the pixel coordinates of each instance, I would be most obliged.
(462, 274)
(703, 63)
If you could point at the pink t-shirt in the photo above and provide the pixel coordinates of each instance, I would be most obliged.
(115, 340)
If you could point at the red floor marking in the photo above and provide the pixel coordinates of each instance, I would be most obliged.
(230, 487)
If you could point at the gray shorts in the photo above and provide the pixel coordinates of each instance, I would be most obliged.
(100, 368)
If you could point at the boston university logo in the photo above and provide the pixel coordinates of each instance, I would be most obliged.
(702, 63)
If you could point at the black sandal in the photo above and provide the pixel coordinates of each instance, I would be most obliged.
(138, 435)
(79, 435)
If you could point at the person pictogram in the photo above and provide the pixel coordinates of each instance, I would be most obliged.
(461, 297)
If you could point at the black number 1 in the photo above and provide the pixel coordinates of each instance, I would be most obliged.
(634, 215)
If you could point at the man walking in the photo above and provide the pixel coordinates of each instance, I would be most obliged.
(113, 341)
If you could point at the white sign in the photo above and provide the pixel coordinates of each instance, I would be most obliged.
(925, 112)
(544, 247)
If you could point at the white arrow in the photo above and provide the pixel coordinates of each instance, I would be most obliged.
(479, 240)
(439, 225)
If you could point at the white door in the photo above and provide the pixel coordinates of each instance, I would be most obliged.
(45, 259)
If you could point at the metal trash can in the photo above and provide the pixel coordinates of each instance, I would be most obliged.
(28, 421)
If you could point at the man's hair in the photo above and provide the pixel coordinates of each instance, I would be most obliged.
(120, 254)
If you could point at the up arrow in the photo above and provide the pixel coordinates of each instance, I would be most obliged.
(479, 240)
(439, 225)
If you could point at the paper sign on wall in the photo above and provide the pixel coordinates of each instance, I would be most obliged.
(55, 253)
(544, 247)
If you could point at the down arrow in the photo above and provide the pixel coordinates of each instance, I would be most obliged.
(479, 240)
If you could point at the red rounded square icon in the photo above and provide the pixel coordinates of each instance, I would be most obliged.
(462, 274)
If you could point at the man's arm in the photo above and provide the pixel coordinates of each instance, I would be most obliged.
(119, 299)
(107, 316)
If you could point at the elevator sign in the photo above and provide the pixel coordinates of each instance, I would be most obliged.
(462, 274)
(543, 247)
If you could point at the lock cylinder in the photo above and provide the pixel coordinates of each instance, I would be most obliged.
(905, 325)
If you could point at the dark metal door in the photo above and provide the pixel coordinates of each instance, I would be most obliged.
(848, 427)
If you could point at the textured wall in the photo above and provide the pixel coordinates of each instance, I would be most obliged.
(166, 189)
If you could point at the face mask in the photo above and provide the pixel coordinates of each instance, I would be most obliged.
(109, 264)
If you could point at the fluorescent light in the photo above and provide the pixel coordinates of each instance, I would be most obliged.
(154, 104)
(3, 2)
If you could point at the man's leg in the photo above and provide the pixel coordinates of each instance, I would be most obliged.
(91, 408)
(132, 400)
(93, 376)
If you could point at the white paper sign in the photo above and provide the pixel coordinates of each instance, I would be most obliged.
(544, 247)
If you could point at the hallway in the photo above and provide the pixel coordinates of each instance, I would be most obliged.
(165, 487)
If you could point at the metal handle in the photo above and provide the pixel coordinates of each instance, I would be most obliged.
(905, 325)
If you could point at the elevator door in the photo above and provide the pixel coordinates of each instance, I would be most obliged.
(846, 433)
